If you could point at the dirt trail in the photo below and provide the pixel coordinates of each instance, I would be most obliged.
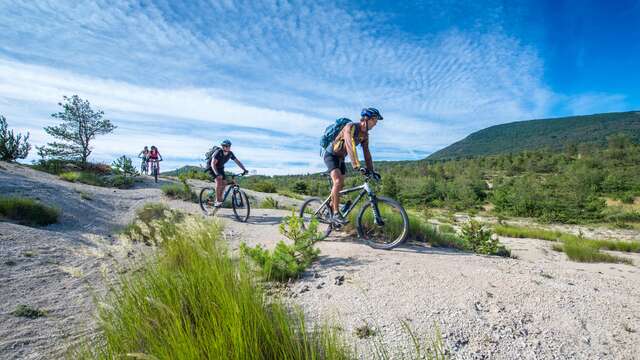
(540, 306)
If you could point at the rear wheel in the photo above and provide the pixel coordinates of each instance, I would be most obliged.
(206, 199)
(311, 209)
(240, 204)
(387, 231)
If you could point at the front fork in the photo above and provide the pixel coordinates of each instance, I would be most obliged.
(376, 212)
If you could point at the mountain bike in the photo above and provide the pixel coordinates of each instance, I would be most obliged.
(239, 200)
(144, 168)
(381, 223)
(155, 167)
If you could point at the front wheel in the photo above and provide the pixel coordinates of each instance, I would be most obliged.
(155, 173)
(207, 199)
(313, 209)
(388, 230)
(240, 205)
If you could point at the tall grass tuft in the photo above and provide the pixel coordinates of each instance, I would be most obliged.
(194, 302)
(577, 247)
(27, 211)
(582, 251)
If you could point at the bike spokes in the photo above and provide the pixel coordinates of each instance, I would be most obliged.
(312, 209)
(385, 228)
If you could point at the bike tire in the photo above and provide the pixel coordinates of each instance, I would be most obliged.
(324, 223)
(241, 212)
(393, 233)
(155, 174)
(206, 201)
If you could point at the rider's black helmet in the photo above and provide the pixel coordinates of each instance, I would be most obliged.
(370, 112)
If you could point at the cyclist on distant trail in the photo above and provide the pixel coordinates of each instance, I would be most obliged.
(220, 157)
(344, 144)
(144, 155)
(154, 155)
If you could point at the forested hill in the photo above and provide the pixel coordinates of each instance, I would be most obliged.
(536, 134)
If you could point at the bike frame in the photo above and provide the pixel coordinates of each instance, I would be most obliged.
(365, 189)
(233, 185)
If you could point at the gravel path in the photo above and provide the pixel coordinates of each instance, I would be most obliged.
(539, 306)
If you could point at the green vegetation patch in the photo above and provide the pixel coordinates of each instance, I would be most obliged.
(577, 247)
(269, 203)
(28, 312)
(85, 177)
(179, 191)
(582, 251)
(27, 211)
(150, 222)
(287, 261)
(194, 302)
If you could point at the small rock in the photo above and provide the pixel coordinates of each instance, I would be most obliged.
(320, 285)
(339, 280)
(304, 289)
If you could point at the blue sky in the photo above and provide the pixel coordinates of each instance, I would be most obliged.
(271, 75)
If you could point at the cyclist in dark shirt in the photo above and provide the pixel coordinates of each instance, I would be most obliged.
(218, 159)
(344, 144)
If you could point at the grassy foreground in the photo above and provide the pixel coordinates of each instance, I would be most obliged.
(195, 302)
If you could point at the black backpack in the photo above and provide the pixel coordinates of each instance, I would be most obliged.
(209, 155)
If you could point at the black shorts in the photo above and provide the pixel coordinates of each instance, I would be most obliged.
(220, 171)
(335, 162)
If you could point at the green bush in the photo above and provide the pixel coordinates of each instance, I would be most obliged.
(12, 146)
(194, 302)
(84, 177)
(27, 211)
(180, 191)
(287, 261)
(264, 186)
(481, 241)
(28, 312)
(269, 203)
(121, 182)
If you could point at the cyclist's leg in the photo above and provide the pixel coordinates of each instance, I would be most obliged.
(220, 185)
(337, 170)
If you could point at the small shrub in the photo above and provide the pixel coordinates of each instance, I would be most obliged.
(290, 194)
(264, 186)
(28, 312)
(287, 261)
(27, 211)
(84, 177)
(481, 241)
(124, 166)
(180, 191)
(85, 196)
(121, 182)
(364, 331)
(269, 203)
(12, 146)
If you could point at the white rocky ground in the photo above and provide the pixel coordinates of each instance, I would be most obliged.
(539, 306)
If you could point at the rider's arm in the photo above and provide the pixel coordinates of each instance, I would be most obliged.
(367, 154)
(239, 164)
(159, 156)
(350, 144)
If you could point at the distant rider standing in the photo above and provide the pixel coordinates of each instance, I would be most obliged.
(154, 155)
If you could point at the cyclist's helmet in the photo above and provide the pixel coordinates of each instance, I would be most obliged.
(369, 112)
(226, 142)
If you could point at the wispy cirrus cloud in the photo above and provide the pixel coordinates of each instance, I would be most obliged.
(270, 74)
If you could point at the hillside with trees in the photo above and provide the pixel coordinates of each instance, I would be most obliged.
(555, 134)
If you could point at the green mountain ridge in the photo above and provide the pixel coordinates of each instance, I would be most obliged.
(184, 169)
(554, 133)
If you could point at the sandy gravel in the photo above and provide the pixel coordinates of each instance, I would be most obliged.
(539, 306)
